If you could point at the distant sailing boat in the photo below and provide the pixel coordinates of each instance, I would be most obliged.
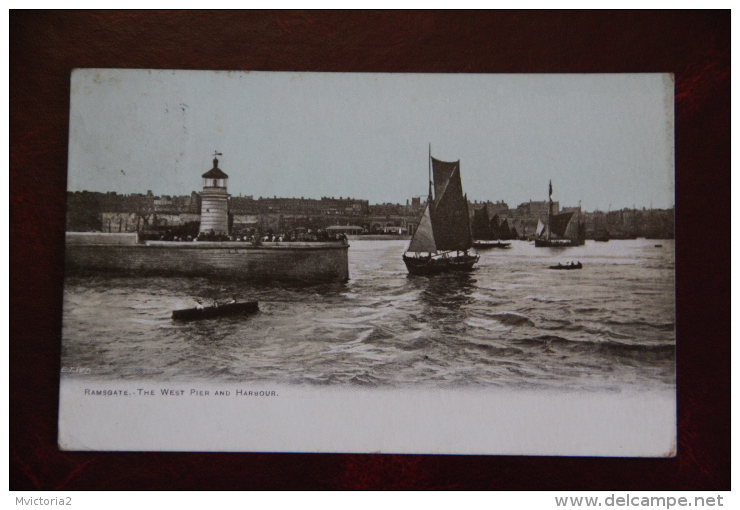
(601, 234)
(558, 231)
(481, 225)
(485, 231)
(443, 239)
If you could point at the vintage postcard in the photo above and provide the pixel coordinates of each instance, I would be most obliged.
(394, 263)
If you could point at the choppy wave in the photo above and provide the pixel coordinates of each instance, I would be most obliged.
(510, 322)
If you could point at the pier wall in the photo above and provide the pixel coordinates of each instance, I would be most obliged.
(97, 238)
(297, 262)
(379, 237)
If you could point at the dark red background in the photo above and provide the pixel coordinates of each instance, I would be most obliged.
(46, 46)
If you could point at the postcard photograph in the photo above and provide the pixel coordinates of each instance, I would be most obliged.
(390, 263)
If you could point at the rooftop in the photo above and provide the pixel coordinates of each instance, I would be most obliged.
(215, 172)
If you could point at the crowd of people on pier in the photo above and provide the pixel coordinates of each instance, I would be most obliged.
(257, 238)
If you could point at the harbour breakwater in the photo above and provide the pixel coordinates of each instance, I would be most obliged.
(271, 261)
(378, 237)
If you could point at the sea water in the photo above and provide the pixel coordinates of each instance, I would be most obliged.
(511, 323)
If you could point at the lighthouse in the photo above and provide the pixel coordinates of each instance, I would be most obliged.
(214, 211)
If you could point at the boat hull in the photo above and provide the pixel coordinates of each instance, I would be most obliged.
(211, 312)
(425, 266)
(567, 268)
(484, 245)
(289, 262)
(556, 243)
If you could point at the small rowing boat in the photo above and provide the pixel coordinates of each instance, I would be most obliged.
(210, 312)
(568, 266)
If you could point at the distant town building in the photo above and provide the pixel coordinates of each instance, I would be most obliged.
(164, 217)
(536, 209)
(499, 207)
(345, 229)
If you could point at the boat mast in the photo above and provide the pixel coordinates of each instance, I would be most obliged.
(429, 160)
(549, 214)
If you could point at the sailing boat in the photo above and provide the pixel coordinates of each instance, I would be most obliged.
(558, 231)
(443, 239)
(601, 233)
(481, 225)
(485, 231)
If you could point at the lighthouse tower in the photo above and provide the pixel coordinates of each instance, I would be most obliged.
(214, 214)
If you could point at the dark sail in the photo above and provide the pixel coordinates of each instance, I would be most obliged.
(481, 224)
(504, 232)
(495, 227)
(450, 220)
(442, 171)
(559, 223)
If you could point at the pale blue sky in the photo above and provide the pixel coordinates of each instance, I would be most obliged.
(605, 139)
